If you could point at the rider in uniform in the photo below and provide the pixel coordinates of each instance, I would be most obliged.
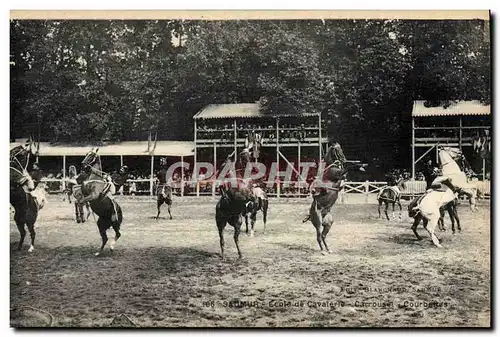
(430, 173)
(36, 174)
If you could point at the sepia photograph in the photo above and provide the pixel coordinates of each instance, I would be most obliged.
(250, 169)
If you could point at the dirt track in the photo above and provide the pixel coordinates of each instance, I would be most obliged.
(169, 272)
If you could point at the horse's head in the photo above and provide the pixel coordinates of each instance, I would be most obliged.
(451, 152)
(91, 158)
(335, 155)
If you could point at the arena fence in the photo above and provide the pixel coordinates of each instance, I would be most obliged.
(293, 190)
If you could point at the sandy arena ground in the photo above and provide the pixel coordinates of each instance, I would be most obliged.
(168, 273)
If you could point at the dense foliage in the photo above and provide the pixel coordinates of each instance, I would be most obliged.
(115, 80)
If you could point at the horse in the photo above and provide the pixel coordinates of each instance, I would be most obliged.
(391, 195)
(235, 203)
(97, 189)
(164, 195)
(428, 207)
(230, 209)
(21, 184)
(320, 211)
(26, 208)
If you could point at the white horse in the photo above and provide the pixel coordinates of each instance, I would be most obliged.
(456, 177)
(453, 180)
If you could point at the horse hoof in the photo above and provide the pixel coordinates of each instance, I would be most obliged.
(78, 221)
(251, 234)
(31, 249)
(323, 252)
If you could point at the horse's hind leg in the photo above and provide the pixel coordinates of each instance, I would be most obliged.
(159, 202)
(116, 228)
(31, 228)
(400, 209)
(431, 228)
(327, 224)
(253, 218)
(379, 205)
(455, 213)
(385, 210)
(221, 224)
(88, 211)
(237, 229)
(393, 204)
(77, 212)
(169, 205)
(22, 232)
(102, 225)
(265, 206)
(20, 219)
(418, 217)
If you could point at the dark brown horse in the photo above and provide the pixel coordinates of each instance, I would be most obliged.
(98, 190)
(327, 191)
(391, 195)
(237, 200)
(21, 183)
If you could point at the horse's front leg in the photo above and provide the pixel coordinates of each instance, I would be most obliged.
(102, 225)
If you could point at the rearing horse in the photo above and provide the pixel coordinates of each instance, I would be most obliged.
(20, 183)
(456, 177)
(98, 189)
(453, 180)
(333, 176)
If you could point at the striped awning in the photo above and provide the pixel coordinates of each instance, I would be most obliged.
(130, 148)
(460, 108)
(240, 110)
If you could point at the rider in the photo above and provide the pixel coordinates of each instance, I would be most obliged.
(430, 173)
(120, 178)
(36, 174)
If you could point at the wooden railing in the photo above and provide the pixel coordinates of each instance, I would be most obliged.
(295, 189)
